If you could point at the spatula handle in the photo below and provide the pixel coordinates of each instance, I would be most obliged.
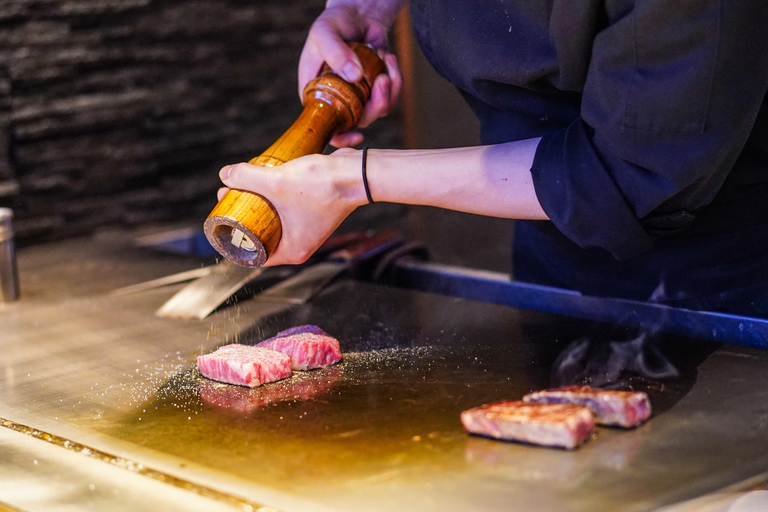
(244, 227)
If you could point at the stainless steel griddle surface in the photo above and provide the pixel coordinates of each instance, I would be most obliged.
(380, 431)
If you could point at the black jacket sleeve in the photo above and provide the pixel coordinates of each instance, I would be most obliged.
(672, 92)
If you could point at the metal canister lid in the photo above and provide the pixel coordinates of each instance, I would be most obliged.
(6, 224)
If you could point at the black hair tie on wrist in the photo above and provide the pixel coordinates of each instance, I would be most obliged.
(365, 176)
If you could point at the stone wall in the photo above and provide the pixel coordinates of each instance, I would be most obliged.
(122, 111)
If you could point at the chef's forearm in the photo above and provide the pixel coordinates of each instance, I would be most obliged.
(384, 11)
(486, 180)
(315, 193)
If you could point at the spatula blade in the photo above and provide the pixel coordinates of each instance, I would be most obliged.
(201, 297)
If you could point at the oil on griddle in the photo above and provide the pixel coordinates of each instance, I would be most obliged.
(390, 410)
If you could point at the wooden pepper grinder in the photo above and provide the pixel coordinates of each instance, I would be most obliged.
(244, 227)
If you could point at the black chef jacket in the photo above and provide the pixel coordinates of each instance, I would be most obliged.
(653, 161)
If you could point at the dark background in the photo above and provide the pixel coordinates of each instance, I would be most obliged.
(123, 111)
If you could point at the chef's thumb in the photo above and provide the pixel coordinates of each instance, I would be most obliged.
(339, 56)
(243, 177)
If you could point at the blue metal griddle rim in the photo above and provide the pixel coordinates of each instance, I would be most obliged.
(497, 288)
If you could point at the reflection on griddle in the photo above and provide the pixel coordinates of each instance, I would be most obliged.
(520, 462)
(608, 451)
(300, 386)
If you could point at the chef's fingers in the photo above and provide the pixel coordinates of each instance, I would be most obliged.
(384, 95)
(325, 43)
(396, 78)
(376, 34)
(221, 192)
(285, 254)
(249, 177)
(347, 140)
(277, 258)
(260, 180)
(378, 105)
(309, 66)
(337, 54)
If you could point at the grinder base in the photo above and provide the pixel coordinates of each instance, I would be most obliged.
(220, 231)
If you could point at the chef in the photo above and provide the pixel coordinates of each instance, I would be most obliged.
(630, 137)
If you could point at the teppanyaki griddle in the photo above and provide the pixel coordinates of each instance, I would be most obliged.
(381, 431)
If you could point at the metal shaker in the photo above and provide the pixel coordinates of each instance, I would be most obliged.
(9, 277)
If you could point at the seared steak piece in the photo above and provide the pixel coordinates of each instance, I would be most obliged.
(559, 425)
(245, 365)
(625, 409)
(306, 350)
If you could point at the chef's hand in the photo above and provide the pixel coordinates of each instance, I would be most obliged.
(365, 21)
(313, 195)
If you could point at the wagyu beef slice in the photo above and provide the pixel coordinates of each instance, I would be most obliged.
(245, 365)
(625, 409)
(559, 425)
(307, 350)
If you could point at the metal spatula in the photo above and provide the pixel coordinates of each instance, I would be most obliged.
(306, 284)
(202, 296)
